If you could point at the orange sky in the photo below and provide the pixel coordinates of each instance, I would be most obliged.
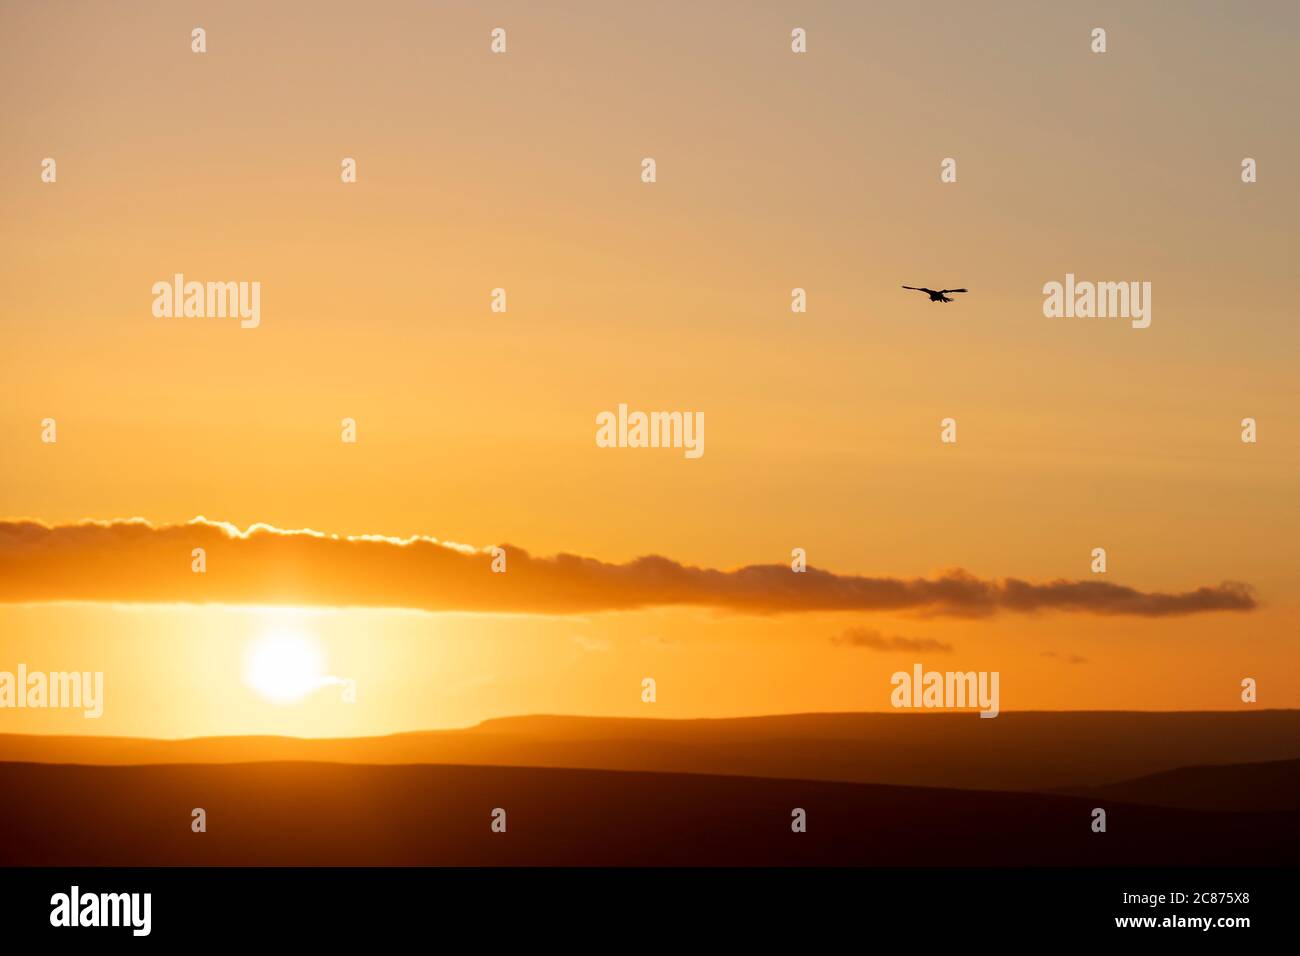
(774, 171)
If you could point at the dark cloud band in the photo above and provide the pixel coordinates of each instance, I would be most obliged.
(135, 561)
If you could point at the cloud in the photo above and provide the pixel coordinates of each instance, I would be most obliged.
(136, 561)
(1068, 658)
(875, 641)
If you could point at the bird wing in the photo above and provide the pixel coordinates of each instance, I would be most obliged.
(942, 291)
(917, 288)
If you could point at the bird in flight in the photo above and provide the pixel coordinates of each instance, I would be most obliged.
(940, 296)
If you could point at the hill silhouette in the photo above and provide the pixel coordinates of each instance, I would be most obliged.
(1271, 786)
(336, 814)
(1044, 751)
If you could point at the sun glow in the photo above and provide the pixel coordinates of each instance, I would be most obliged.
(284, 665)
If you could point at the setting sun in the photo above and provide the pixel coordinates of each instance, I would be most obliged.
(284, 665)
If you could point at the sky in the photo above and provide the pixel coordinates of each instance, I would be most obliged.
(522, 171)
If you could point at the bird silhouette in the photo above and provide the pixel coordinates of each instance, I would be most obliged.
(940, 296)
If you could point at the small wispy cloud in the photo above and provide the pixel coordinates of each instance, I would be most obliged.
(873, 640)
(1068, 658)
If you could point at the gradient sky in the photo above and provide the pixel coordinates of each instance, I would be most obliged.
(774, 171)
